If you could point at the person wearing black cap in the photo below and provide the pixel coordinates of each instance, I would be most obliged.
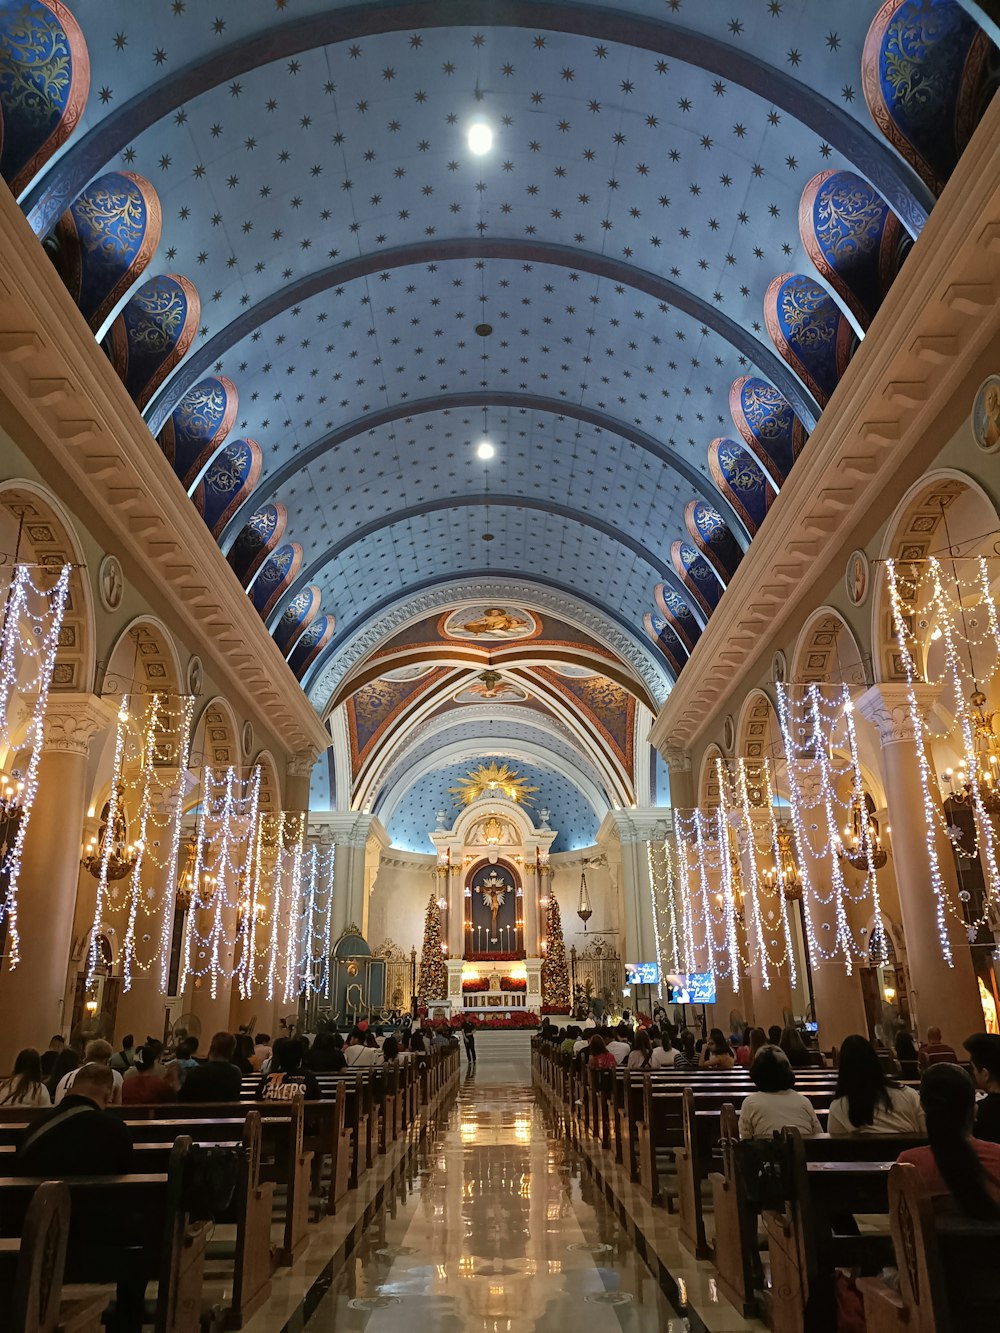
(984, 1053)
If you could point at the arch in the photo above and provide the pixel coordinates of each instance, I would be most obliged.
(216, 740)
(893, 178)
(270, 786)
(755, 728)
(392, 612)
(742, 480)
(697, 575)
(143, 659)
(708, 777)
(765, 420)
(707, 529)
(197, 427)
(153, 333)
(781, 374)
(346, 435)
(227, 480)
(826, 651)
(810, 331)
(310, 644)
(275, 577)
(662, 633)
(296, 618)
(915, 531)
(37, 123)
(47, 530)
(255, 542)
(505, 501)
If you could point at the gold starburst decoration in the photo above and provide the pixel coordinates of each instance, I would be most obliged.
(493, 780)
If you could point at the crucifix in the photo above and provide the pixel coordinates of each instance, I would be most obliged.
(494, 890)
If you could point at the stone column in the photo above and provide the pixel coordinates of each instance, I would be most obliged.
(298, 774)
(682, 793)
(943, 996)
(142, 1009)
(624, 835)
(32, 997)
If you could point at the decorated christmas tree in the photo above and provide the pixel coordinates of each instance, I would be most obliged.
(555, 976)
(433, 984)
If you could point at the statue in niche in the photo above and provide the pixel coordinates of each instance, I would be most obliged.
(494, 891)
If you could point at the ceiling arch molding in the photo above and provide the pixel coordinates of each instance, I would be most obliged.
(385, 807)
(502, 501)
(328, 680)
(197, 365)
(448, 402)
(64, 179)
(440, 725)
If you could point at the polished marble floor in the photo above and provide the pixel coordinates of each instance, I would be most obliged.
(498, 1228)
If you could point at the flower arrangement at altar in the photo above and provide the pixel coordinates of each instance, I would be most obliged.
(517, 1021)
(518, 985)
(555, 1009)
(471, 985)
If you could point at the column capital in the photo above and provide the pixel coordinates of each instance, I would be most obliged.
(633, 826)
(347, 828)
(887, 706)
(72, 721)
(677, 760)
(300, 764)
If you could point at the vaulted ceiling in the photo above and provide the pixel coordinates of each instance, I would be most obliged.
(583, 295)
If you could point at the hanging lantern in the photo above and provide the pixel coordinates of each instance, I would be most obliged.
(584, 911)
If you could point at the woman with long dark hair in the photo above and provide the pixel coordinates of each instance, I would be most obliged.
(954, 1163)
(641, 1054)
(24, 1087)
(717, 1052)
(865, 1101)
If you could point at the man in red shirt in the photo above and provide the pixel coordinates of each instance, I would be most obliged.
(936, 1052)
(143, 1087)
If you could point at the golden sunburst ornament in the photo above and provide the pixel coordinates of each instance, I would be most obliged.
(493, 780)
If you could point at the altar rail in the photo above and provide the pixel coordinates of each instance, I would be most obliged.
(496, 1000)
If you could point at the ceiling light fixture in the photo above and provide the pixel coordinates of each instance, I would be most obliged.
(480, 138)
(484, 450)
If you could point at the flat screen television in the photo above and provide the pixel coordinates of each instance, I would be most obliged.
(642, 974)
(691, 988)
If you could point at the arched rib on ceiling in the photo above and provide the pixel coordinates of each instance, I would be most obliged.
(894, 180)
(559, 407)
(504, 500)
(353, 643)
(295, 293)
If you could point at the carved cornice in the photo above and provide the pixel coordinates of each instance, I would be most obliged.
(73, 720)
(940, 317)
(68, 410)
(347, 828)
(632, 826)
(530, 595)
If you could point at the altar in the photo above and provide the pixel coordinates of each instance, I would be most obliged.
(494, 876)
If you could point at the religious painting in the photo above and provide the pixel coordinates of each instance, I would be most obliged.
(482, 623)
(986, 415)
(414, 672)
(573, 672)
(499, 692)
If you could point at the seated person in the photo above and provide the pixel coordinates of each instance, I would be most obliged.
(359, 1055)
(717, 1052)
(287, 1078)
(984, 1053)
(935, 1051)
(775, 1104)
(600, 1056)
(955, 1166)
(865, 1101)
(619, 1045)
(95, 1052)
(218, 1079)
(80, 1138)
(145, 1085)
(262, 1051)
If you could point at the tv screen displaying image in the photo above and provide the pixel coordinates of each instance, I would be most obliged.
(642, 974)
(691, 988)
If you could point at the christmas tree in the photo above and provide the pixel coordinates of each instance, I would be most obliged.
(555, 976)
(433, 984)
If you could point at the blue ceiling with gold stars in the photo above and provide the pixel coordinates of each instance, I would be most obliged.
(676, 198)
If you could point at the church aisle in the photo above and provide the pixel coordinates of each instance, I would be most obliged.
(503, 1231)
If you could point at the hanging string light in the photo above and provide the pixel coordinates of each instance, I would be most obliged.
(223, 868)
(317, 917)
(663, 886)
(29, 641)
(278, 912)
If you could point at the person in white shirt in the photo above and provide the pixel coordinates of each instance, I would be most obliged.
(865, 1102)
(775, 1105)
(357, 1054)
(620, 1047)
(24, 1087)
(664, 1055)
(96, 1052)
(580, 1044)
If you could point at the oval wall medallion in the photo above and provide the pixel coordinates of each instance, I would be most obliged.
(111, 582)
(856, 578)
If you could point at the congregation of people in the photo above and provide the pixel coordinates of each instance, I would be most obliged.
(957, 1109)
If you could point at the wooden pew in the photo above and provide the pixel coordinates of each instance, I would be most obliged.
(172, 1248)
(946, 1265)
(32, 1267)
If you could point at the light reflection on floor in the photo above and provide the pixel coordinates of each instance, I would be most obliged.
(497, 1231)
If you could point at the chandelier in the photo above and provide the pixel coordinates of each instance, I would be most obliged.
(863, 840)
(954, 783)
(784, 872)
(207, 884)
(122, 855)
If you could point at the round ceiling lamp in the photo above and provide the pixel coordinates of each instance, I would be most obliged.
(480, 138)
(484, 450)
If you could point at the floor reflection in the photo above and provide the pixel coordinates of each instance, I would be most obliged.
(495, 1230)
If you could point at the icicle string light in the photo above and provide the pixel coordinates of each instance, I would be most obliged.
(24, 637)
(108, 840)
